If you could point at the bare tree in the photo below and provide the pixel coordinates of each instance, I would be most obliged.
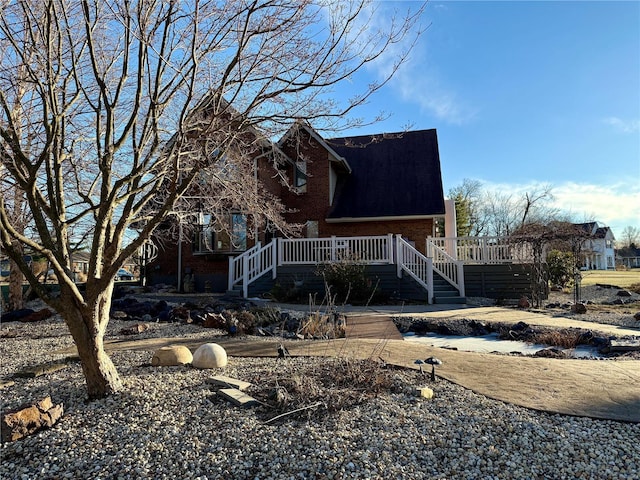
(537, 237)
(630, 236)
(481, 211)
(111, 110)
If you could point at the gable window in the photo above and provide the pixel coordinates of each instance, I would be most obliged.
(227, 236)
(300, 176)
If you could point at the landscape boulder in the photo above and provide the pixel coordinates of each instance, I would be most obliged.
(579, 308)
(623, 293)
(28, 419)
(172, 355)
(210, 355)
(134, 329)
(37, 316)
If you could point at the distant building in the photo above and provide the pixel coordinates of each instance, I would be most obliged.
(598, 252)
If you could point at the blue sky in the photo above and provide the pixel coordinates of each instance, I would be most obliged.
(527, 93)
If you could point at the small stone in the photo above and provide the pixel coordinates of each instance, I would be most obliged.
(637, 316)
(172, 356)
(424, 392)
(210, 355)
(623, 293)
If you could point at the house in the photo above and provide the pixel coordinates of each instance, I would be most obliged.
(363, 186)
(598, 252)
(628, 257)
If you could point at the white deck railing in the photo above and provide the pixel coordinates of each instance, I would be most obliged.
(484, 250)
(305, 251)
(386, 249)
(415, 264)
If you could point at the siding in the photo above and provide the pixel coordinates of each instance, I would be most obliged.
(506, 281)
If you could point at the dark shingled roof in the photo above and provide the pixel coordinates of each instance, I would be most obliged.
(393, 175)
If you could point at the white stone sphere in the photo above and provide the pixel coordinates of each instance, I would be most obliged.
(209, 355)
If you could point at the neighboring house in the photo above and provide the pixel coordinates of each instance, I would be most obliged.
(628, 257)
(370, 185)
(598, 252)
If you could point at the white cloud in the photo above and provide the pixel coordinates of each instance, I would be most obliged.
(416, 81)
(614, 205)
(629, 126)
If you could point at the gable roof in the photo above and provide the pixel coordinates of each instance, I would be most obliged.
(301, 124)
(393, 175)
(595, 230)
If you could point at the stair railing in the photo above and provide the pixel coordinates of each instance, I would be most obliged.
(415, 264)
(446, 266)
(252, 264)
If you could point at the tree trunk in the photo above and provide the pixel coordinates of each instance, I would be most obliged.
(16, 300)
(87, 327)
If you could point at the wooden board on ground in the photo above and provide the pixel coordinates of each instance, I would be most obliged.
(237, 397)
(228, 382)
(372, 326)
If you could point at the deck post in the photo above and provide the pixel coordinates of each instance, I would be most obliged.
(460, 277)
(245, 276)
(390, 248)
(280, 253)
(399, 259)
(274, 259)
(231, 273)
(430, 279)
(333, 248)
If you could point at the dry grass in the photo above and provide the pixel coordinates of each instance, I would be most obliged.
(337, 384)
(623, 279)
(558, 338)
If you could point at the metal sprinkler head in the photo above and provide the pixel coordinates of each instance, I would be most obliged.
(433, 361)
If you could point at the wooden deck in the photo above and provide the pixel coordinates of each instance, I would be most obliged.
(372, 326)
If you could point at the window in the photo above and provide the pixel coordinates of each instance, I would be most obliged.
(312, 229)
(229, 236)
(300, 176)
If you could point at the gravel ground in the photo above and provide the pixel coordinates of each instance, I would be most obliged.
(169, 424)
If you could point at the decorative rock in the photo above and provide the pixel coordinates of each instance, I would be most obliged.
(637, 316)
(37, 316)
(623, 293)
(579, 308)
(135, 329)
(6, 384)
(550, 353)
(210, 355)
(424, 392)
(26, 420)
(172, 356)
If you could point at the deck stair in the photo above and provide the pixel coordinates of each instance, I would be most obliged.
(444, 292)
